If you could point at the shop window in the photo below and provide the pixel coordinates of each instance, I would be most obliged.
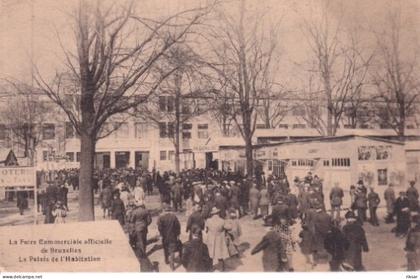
(305, 163)
(186, 130)
(340, 162)
(45, 155)
(203, 131)
(48, 131)
(163, 155)
(326, 163)
(166, 103)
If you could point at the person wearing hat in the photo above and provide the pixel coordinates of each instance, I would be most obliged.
(233, 233)
(215, 228)
(59, 212)
(221, 203)
(254, 199)
(389, 196)
(118, 208)
(244, 188)
(169, 229)
(373, 202)
(357, 242)
(335, 244)
(279, 210)
(274, 257)
(361, 202)
(195, 220)
(176, 194)
(139, 220)
(402, 212)
(234, 198)
(412, 245)
(336, 200)
(413, 196)
(195, 254)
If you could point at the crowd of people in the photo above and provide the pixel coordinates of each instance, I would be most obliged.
(214, 202)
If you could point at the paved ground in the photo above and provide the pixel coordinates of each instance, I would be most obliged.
(386, 251)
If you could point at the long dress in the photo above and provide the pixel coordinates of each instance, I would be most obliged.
(216, 241)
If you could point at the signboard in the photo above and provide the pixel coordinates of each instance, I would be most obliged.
(17, 176)
(72, 247)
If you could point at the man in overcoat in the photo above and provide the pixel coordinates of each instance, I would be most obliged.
(169, 229)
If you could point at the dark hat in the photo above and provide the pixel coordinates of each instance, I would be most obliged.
(350, 215)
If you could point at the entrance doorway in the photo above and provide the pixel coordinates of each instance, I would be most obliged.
(142, 159)
(122, 159)
(102, 160)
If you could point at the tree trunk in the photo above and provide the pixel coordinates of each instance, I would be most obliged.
(178, 121)
(249, 158)
(401, 123)
(87, 152)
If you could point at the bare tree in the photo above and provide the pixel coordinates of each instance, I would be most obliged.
(243, 57)
(396, 77)
(340, 65)
(24, 115)
(114, 71)
(181, 97)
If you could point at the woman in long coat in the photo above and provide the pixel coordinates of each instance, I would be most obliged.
(216, 241)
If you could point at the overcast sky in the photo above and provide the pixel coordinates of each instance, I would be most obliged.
(16, 27)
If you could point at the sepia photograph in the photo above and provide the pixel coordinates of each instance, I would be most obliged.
(209, 136)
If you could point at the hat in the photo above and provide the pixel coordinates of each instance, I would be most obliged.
(232, 182)
(350, 215)
(196, 183)
(214, 210)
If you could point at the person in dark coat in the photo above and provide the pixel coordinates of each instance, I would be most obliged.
(234, 198)
(413, 196)
(140, 219)
(195, 254)
(412, 246)
(274, 257)
(336, 244)
(402, 211)
(321, 225)
(361, 203)
(373, 203)
(244, 196)
(22, 201)
(389, 196)
(221, 203)
(169, 229)
(195, 220)
(279, 210)
(62, 195)
(176, 194)
(118, 208)
(336, 200)
(306, 243)
(356, 237)
(292, 202)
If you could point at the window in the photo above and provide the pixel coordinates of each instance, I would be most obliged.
(186, 130)
(305, 163)
(203, 132)
(45, 155)
(70, 133)
(270, 165)
(294, 163)
(162, 130)
(70, 156)
(364, 126)
(283, 126)
(122, 130)
(340, 162)
(186, 107)
(48, 131)
(163, 155)
(326, 163)
(166, 103)
(348, 126)
(382, 177)
(140, 129)
(3, 132)
(411, 126)
(166, 130)
(299, 126)
(78, 157)
(171, 155)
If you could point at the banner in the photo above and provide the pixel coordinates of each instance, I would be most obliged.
(17, 176)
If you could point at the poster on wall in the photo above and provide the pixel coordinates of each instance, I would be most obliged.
(382, 177)
(366, 152)
(383, 152)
